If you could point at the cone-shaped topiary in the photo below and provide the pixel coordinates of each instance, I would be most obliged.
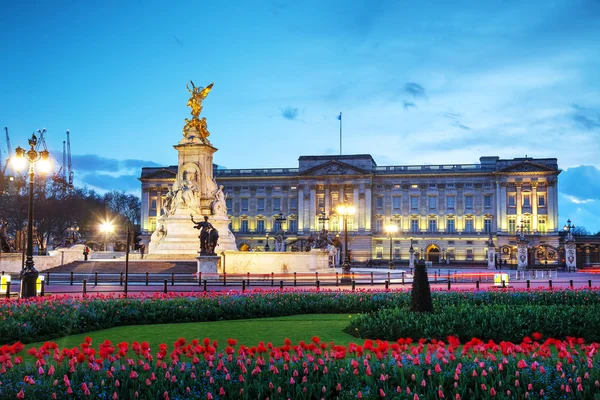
(420, 298)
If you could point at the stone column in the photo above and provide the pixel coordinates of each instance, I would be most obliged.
(519, 201)
(145, 209)
(502, 214)
(368, 213)
(355, 224)
(312, 211)
(534, 204)
(552, 199)
(327, 201)
(301, 208)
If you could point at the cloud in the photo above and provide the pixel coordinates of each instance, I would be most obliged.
(92, 162)
(289, 113)
(108, 182)
(454, 117)
(414, 89)
(581, 183)
(409, 104)
(586, 118)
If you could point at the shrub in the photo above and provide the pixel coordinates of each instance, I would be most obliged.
(496, 322)
(420, 300)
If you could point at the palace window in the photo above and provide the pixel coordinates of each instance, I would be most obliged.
(378, 225)
(469, 254)
(321, 202)
(414, 225)
(153, 203)
(379, 252)
(469, 201)
(526, 199)
(293, 226)
(432, 227)
(512, 225)
(526, 224)
(334, 224)
(335, 198)
(260, 204)
(469, 225)
(379, 202)
(542, 225)
(487, 201)
(260, 226)
(487, 225)
(512, 200)
(414, 202)
(396, 201)
(541, 200)
(432, 202)
(229, 203)
(414, 186)
(244, 204)
(244, 226)
(450, 225)
(277, 204)
(450, 202)
(293, 203)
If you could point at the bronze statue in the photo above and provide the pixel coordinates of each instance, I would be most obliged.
(195, 103)
(206, 229)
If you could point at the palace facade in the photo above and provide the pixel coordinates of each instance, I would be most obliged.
(447, 212)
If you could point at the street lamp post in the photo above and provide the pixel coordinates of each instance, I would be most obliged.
(346, 211)
(422, 254)
(391, 229)
(29, 274)
(106, 228)
(267, 245)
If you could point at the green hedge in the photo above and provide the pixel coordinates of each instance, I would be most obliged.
(45, 319)
(498, 322)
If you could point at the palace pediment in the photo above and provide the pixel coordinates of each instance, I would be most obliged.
(527, 166)
(334, 168)
(162, 173)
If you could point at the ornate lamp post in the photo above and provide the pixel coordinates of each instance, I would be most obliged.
(411, 252)
(391, 229)
(29, 274)
(346, 211)
(280, 220)
(267, 245)
(323, 218)
(567, 228)
(422, 254)
(106, 228)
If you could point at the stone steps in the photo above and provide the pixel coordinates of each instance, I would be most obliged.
(135, 266)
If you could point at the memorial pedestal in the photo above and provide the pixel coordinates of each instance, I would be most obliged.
(207, 264)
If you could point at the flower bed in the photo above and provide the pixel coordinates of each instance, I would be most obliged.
(534, 368)
(52, 317)
(497, 322)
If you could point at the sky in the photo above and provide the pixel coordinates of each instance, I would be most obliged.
(427, 82)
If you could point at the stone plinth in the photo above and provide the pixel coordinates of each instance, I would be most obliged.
(207, 265)
(521, 255)
(241, 262)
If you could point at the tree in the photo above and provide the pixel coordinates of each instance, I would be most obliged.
(420, 296)
(580, 231)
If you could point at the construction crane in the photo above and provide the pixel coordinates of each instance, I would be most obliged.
(5, 166)
(69, 165)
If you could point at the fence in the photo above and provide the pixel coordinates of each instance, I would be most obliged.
(83, 283)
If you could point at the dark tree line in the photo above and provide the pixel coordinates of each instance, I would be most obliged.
(57, 209)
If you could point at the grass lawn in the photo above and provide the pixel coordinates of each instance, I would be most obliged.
(328, 327)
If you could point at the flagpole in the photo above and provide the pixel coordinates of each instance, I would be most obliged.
(340, 118)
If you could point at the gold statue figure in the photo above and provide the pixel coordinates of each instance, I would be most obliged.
(195, 103)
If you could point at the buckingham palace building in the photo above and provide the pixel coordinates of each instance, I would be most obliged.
(446, 212)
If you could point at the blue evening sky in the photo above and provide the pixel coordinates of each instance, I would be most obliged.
(425, 82)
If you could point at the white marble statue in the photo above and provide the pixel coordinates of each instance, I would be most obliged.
(219, 204)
